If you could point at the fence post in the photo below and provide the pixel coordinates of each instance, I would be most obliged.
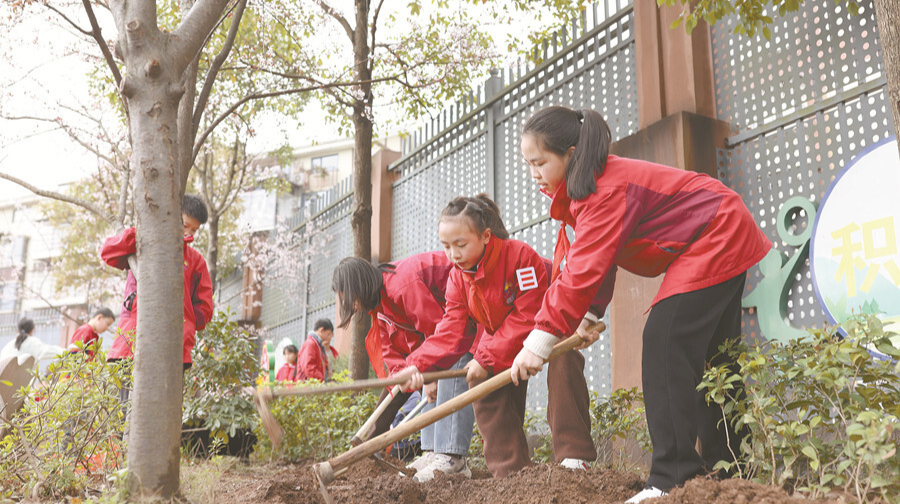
(676, 117)
(494, 143)
(382, 203)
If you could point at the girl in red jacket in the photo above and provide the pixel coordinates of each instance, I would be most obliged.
(500, 282)
(648, 219)
(406, 301)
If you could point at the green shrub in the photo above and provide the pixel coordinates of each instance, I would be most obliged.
(65, 438)
(218, 387)
(822, 411)
(317, 426)
(619, 428)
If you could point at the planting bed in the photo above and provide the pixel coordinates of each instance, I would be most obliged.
(368, 483)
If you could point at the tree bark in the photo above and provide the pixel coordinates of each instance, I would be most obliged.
(156, 63)
(151, 88)
(361, 219)
(212, 247)
(887, 16)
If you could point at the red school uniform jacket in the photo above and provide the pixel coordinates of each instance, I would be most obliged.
(503, 294)
(87, 335)
(412, 304)
(314, 363)
(198, 303)
(648, 219)
(287, 373)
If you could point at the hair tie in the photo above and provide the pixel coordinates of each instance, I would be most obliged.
(579, 115)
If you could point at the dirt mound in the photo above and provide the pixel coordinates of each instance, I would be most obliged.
(368, 482)
(738, 491)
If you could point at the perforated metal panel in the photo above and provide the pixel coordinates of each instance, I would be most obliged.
(801, 107)
(229, 294)
(474, 147)
(326, 238)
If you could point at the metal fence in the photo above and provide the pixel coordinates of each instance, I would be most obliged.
(321, 236)
(473, 146)
(801, 105)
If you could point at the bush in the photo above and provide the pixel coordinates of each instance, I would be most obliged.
(317, 426)
(821, 410)
(66, 438)
(218, 387)
(619, 428)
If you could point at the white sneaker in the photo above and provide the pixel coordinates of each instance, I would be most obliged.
(447, 464)
(423, 460)
(647, 493)
(575, 464)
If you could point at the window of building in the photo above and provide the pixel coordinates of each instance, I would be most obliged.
(324, 165)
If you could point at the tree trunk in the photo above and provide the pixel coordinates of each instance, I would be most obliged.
(887, 16)
(362, 182)
(212, 247)
(153, 93)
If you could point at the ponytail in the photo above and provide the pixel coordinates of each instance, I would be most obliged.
(557, 129)
(355, 279)
(481, 212)
(26, 326)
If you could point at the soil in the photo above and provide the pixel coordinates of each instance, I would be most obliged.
(368, 482)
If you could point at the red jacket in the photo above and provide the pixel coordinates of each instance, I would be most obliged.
(412, 304)
(287, 373)
(313, 363)
(198, 302)
(503, 294)
(648, 219)
(87, 335)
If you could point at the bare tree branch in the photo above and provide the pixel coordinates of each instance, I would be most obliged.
(87, 205)
(216, 65)
(259, 96)
(104, 47)
(337, 16)
(67, 19)
(374, 26)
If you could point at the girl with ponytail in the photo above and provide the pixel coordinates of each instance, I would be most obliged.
(24, 344)
(649, 219)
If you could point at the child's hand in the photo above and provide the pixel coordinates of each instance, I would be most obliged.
(429, 391)
(589, 337)
(525, 366)
(414, 381)
(474, 372)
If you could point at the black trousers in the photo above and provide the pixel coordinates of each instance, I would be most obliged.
(682, 335)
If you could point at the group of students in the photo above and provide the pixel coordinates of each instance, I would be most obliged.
(491, 304)
(26, 344)
(313, 360)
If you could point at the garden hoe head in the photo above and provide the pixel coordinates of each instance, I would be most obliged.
(324, 475)
(261, 399)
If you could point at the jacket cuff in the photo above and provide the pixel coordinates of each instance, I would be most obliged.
(540, 343)
(591, 317)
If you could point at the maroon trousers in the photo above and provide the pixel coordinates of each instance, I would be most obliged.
(501, 415)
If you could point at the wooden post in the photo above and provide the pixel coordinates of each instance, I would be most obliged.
(678, 127)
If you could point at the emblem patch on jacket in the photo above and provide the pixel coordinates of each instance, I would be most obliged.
(509, 294)
(527, 278)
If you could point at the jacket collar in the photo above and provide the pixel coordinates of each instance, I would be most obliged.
(488, 262)
(559, 206)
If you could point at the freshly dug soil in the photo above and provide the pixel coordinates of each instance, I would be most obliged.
(368, 482)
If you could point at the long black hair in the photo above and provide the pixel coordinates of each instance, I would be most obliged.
(557, 129)
(26, 326)
(357, 279)
(481, 212)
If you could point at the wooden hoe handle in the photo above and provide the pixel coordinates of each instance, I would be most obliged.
(326, 471)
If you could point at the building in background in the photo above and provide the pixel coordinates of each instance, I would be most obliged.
(28, 244)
